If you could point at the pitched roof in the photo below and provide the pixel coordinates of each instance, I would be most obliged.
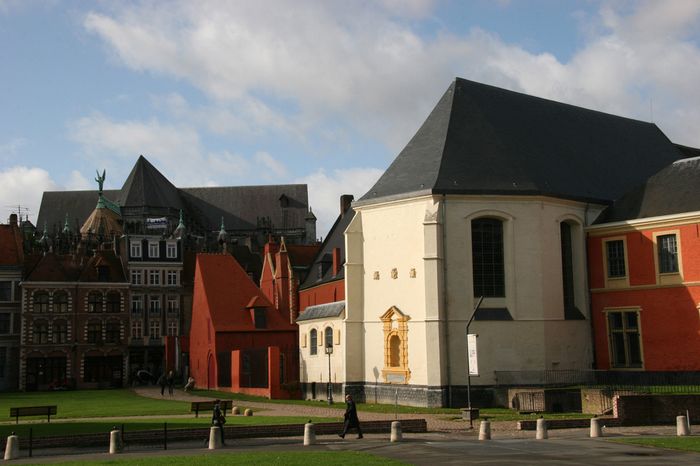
(107, 259)
(481, 139)
(11, 246)
(146, 186)
(673, 190)
(324, 257)
(229, 291)
(322, 311)
(52, 267)
(302, 255)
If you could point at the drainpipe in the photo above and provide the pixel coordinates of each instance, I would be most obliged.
(588, 285)
(444, 299)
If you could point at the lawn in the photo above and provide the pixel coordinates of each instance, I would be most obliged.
(505, 414)
(323, 458)
(676, 443)
(132, 424)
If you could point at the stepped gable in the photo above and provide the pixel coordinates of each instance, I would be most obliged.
(146, 186)
(481, 139)
(673, 190)
(242, 206)
(229, 294)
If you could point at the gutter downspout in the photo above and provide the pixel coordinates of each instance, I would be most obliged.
(444, 300)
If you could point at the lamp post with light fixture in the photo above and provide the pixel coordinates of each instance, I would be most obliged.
(329, 351)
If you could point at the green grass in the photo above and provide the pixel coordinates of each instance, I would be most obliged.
(675, 443)
(323, 458)
(132, 424)
(92, 403)
(505, 414)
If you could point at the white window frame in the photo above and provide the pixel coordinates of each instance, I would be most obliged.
(173, 299)
(171, 277)
(154, 329)
(154, 309)
(172, 328)
(171, 250)
(154, 277)
(137, 277)
(135, 248)
(137, 299)
(136, 328)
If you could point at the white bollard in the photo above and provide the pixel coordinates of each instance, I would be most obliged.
(541, 433)
(309, 434)
(115, 442)
(12, 447)
(596, 430)
(682, 426)
(396, 435)
(215, 438)
(485, 430)
(248, 412)
(235, 410)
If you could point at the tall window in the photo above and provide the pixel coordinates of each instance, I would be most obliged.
(615, 253)
(112, 332)
(154, 328)
(41, 333)
(172, 328)
(135, 248)
(328, 334)
(41, 301)
(136, 328)
(153, 250)
(171, 250)
(625, 342)
(94, 332)
(60, 301)
(114, 302)
(154, 277)
(488, 257)
(668, 253)
(171, 276)
(136, 277)
(95, 302)
(313, 339)
(154, 305)
(136, 304)
(173, 304)
(60, 332)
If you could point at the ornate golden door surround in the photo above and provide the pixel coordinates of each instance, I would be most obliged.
(395, 325)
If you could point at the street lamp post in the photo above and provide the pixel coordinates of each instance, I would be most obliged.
(329, 351)
(470, 410)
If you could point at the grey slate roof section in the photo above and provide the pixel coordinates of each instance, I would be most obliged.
(484, 313)
(146, 186)
(687, 151)
(322, 311)
(673, 190)
(324, 258)
(481, 139)
(239, 205)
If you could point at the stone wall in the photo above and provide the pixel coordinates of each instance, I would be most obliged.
(655, 409)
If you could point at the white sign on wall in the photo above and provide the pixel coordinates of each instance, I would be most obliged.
(156, 223)
(471, 354)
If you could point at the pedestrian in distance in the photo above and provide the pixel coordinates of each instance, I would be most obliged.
(163, 382)
(170, 379)
(218, 419)
(351, 420)
(190, 384)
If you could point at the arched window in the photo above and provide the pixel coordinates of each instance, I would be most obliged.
(60, 301)
(394, 351)
(94, 332)
(568, 232)
(313, 338)
(60, 332)
(41, 333)
(488, 258)
(328, 334)
(95, 302)
(114, 301)
(41, 301)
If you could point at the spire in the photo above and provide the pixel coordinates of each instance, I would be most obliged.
(222, 233)
(45, 242)
(180, 231)
(66, 228)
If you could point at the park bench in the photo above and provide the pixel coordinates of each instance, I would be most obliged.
(198, 406)
(33, 411)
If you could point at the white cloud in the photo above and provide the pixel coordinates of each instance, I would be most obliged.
(325, 189)
(366, 64)
(271, 165)
(10, 148)
(77, 182)
(24, 186)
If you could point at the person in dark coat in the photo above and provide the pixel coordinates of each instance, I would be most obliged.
(218, 419)
(170, 379)
(351, 419)
(163, 382)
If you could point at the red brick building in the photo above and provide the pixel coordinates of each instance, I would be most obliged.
(644, 273)
(238, 340)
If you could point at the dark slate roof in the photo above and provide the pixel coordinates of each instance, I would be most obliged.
(322, 311)
(239, 205)
(673, 190)
(481, 139)
(146, 186)
(324, 257)
(688, 152)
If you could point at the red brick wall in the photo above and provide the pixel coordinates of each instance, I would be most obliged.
(322, 294)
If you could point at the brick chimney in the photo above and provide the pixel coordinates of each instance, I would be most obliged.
(13, 220)
(336, 261)
(345, 201)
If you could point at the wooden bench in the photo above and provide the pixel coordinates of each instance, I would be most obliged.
(198, 406)
(33, 411)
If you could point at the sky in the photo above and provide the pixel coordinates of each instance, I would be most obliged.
(323, 92)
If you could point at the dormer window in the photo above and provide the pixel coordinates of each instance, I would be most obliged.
(153, 249)
(135, 248)
(284, 201)
(171, 250)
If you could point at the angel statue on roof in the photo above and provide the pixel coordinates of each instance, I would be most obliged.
(100, 179)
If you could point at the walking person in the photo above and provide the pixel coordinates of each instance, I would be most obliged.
(162, 381)
(351, 419)
(170, 379)
(190, 384)
(218, 419)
